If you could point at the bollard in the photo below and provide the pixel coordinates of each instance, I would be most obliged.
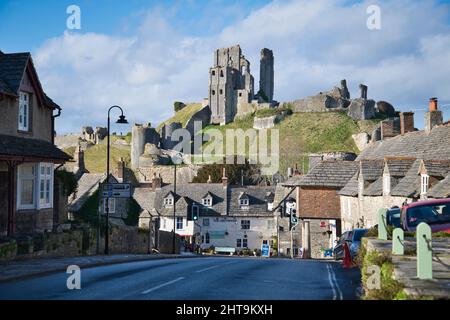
(424, 252)
(382, 224)
(398, 236)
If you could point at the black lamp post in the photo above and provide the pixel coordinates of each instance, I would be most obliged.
(123, 121)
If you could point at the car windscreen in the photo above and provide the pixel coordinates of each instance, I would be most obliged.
(358, 234)
(433, 214)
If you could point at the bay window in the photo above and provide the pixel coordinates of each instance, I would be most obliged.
(35, 186)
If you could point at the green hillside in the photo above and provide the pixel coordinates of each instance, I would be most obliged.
(183, 115)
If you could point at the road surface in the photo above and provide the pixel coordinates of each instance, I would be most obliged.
(212, 278)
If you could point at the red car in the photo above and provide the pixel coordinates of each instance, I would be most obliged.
(436, 213)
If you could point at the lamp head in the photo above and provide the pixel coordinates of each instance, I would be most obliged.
(122, 120)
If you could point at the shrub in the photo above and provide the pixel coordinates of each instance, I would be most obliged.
(178, 105)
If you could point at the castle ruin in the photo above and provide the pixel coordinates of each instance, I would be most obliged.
(231, 83)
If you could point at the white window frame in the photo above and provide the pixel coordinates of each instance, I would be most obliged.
(112, 205)
(386, 184)
(243, 202)
(45, 179)
(425, 183)
(21, 176)
(168, 201)
(23, 118)
(177, 219)
(207, 202)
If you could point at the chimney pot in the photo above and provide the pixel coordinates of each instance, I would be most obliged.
(433, 105)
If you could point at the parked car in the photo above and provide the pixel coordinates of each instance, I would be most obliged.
(393, 217)
(353, 239)
(436, 213)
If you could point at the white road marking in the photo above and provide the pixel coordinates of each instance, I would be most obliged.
(162, 285)
(209, 268)
(331, 282)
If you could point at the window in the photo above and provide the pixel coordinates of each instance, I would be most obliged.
(24, 109)
(270, 224)
(244, 243)
(203, 239)
(386, 184)
(238, 243)
(207, 202)
(425, 179)
(213, 72)
(220, 91)
(213, 92)
(243, 202)
(245, 224)
(111, 205)
(45, 185)
(26, 186)
(168, 201)
(205, 222)
(207, 238)
(221, 73)
(240, 94)
(179, 223)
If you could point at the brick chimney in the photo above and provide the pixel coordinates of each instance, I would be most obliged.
(156, 182)
(224, 178)
(406, 122)
(121, 169)
(434, 116)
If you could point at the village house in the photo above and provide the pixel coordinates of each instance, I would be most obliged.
(318, 204)
(235, 217)
(411, 166)
(28, 156)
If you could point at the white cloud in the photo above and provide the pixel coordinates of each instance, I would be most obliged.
(315, 43)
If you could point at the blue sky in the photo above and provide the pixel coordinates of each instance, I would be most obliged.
(143, 55)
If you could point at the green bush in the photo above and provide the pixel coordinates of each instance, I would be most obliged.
(68, 181)
(178, 105)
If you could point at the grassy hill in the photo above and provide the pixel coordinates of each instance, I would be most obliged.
(183, 115)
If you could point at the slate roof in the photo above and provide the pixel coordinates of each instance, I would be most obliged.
(26, 147)
(371, 170)
(441, 189)
(256, 197)
(12, 68)
(410, 184)
(351, 188)
(87, 185)
(281, 192)
(330, 174)
(437, 169)
(417, 144)
(193, 193)
(225, 200)
(399, 167)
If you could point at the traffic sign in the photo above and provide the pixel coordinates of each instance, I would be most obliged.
(265, 250)
(116, 190)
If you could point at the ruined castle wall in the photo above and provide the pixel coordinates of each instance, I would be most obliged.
(140, 135)
(266, 73)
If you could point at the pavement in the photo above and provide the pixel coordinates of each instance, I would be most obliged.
(190, 278)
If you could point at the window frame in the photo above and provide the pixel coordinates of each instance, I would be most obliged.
(207, 238)
(168, 201)
(22, 176)
(177, 221)
(238, 243)
(424, 183)
(244, 243)
(24, 112)
(207, 202)
(47, 177)
(245, 224)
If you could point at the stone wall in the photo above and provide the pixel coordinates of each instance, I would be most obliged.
(266, 122)
(185, 174)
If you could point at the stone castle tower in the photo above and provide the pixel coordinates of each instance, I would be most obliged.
(230, 82)
(266, 74)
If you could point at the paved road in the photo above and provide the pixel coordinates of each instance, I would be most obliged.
(212, 278)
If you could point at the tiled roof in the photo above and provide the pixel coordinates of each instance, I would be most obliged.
(26, 147)
(437, 169)
(399, 167)
(371, 170)
(410, 184)
(331, 174)
(351, 188)
(417, 144)
(12, 68)
(281, 192)
(87, 185)
(256, 197)
(441, 189)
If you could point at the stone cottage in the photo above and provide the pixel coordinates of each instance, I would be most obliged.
(28, 156)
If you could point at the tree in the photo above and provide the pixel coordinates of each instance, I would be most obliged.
(178, 105)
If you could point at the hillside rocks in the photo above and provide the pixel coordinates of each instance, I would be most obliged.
(361, 109)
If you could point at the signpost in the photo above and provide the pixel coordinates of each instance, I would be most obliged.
(116, 190)
(265, 251)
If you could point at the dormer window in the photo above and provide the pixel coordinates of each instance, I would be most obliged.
(425, 180)
(207, 200)
(24, 111)
(243, 202)
(168, 200)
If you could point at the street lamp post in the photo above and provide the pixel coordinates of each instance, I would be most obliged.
(123, 121)
(174, 203)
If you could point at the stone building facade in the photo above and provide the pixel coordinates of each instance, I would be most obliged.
(27, 155)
